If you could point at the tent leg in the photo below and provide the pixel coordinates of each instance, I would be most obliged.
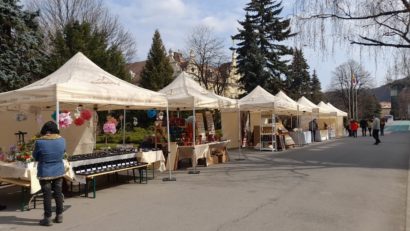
(169, 178)
(123, 128)
(240, 137)
(194, 163)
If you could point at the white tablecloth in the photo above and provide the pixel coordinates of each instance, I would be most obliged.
(29, 172)
(201, 150)
(152, 157)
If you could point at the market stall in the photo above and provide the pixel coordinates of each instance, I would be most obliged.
(295, 109)
(71, 95)
(339, 128)
(260, 119)
(327, 121)
(185, 94)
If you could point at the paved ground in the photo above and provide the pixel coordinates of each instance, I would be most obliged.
(346, 184)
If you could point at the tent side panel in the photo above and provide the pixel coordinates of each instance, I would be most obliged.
(230, 128)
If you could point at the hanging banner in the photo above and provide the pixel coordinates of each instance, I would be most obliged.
(200, 126)
(210, 123)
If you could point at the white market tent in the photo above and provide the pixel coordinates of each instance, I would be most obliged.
(185, 93)
(307, 103)
(295, 106)
(259, 100)
(330, 118)
(78, 81)
(338, 111)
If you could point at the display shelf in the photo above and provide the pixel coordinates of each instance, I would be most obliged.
(267, 132)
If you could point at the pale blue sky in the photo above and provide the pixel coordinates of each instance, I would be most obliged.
(176, 18)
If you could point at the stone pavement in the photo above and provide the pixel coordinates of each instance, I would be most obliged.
(344, 184)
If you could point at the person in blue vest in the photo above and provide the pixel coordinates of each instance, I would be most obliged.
(49, 151)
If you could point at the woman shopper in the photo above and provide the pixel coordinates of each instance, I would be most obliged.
(354, 126)
(49, 151)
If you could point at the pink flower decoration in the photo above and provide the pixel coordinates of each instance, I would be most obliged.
(65, 120)
(110, 128)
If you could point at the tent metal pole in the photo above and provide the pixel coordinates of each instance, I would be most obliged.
(58, 114)
(169, 178)
(194, 163)
(240, 135)
(123, 128)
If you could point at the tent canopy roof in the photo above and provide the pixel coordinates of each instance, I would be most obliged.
(292, 103)
(257, 99)
(80, 80)
(324, 108)
(185, 93)
(304, 101)
(338, 111)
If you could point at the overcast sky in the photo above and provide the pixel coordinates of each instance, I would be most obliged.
(175, 19)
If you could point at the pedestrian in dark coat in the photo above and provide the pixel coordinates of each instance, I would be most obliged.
(49, 151)
(363, 126)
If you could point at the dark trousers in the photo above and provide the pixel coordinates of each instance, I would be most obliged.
(381, 131)
(313, 135)
(364, 130)
(376, 135)
(55, 186)
(354, 133)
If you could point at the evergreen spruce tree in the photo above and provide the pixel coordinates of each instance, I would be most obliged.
(81, 37)
(249, 59)
(315, 89)
(298, 82)
(157, 72)
(20, 46)
(259, 46)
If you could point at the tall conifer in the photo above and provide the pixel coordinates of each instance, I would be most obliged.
(259, 46)
(20, 46)
(157, 72)
(316, 89)
(298, 81)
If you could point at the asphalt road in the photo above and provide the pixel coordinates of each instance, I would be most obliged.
(345, 184)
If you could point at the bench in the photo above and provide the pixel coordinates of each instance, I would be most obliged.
(25, 189)
(91, 177)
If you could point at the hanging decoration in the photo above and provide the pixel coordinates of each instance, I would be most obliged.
(65, 120)
(110, 127)
(79, 121)
(151, 113)
(54, 116)
(86, 114)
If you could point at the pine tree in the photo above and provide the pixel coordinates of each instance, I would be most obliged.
(249, 59)
(315, 89)
(81, 37)
(20, 46)
(259, 46)
(298, 81)
(157, 72)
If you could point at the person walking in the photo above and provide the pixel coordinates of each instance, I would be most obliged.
(354, 126)
(312, 128)
(376, 128)
(49, 151)
(382, 124)
(363, 126)
(369, 126)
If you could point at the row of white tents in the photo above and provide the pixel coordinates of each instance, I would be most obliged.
(80, 81)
